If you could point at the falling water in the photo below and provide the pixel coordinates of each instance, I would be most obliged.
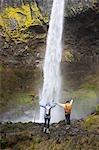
(52, 78)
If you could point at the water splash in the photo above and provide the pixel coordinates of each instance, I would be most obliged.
(52, 78)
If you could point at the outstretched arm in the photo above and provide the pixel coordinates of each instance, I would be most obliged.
(53, 106)
(62, 105)
(42, 106)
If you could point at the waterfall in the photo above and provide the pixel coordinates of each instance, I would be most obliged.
(52, 77)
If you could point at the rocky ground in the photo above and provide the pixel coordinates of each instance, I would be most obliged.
(82, 135)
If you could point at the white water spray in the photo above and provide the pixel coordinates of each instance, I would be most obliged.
(52, 78)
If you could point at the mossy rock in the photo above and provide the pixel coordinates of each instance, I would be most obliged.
(68, 56)
(91, 122)
(15, 21)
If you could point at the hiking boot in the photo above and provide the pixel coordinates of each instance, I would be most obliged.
(47, 131)
(68, 127)
(44, 129)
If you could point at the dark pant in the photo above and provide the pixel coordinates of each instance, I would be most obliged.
(67, 117)
(47, 122)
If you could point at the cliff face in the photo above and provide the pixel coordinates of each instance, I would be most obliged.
(73, 6)
(24, 24)
(45, 5)
(22, 29)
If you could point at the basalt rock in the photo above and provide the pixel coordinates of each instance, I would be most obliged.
(73, 7)
(25, 23)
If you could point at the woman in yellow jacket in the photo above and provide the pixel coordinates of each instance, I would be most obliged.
(67, 107)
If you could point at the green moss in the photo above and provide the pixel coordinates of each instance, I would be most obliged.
(91, 82)
(97, 108)
(15, 21)
(18, 86)
(83, 94)
(68, 56)
(88, 89)
(91, 122)
(1, 21)
(1, 68)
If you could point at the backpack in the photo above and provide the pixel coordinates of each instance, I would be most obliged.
(67, 108)
(47, 110)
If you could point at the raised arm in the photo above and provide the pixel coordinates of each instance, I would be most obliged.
(71, 102)
(62, 105)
